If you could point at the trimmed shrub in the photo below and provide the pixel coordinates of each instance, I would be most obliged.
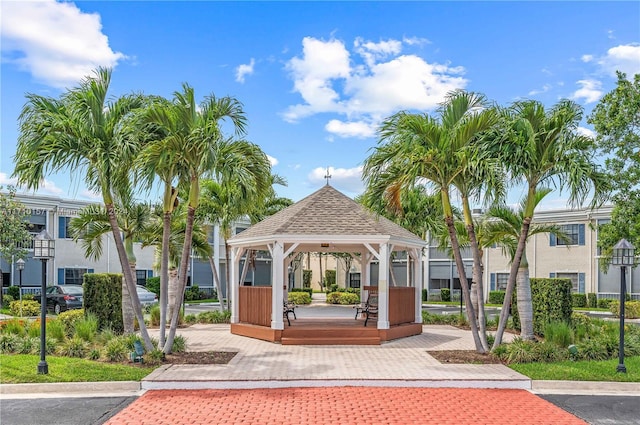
(28, 308)
(329, 277)
(604, 302)
(425, 294)
(6, 301)
(579, 300)
(445, 294)
(592, 300)
(307, 290)
(69, 319)
(14, 291)
(551, 299)
(306, 278)
(631, 309)
(103, 297)
(153, 285)
(332, 288)
(496, 297)
(299, 297)
(194, 294)
(343, 298)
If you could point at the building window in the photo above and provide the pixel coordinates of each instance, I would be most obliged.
(354, 280)
(63, 227)
(575, 233)
(577, 280)
(141, 277)
(501, 281)
(74, 276)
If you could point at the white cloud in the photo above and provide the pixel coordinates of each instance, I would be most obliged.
(415, 41)
(55, 42)
(375, 82)
(244, 69)
(586, 58)
(5, 180)
(359, 129)
(545, 88)
(589, 90)
(91, 195)
(272, 160)
(347, 179)
(625, 58)
(46, 187)
(586, 132)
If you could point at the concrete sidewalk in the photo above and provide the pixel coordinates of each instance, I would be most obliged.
(260, 364)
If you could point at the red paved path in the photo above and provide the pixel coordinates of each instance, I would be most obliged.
(343, 405)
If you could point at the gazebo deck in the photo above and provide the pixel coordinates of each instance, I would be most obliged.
(328, 331)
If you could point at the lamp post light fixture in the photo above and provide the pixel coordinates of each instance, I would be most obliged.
(623, 256)
(20, 265)
(43, 250)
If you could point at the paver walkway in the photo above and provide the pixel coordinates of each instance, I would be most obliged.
(342, 406)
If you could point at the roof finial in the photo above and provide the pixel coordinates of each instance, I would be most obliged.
(327, 176)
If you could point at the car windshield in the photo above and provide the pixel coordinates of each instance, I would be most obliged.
(74, 290)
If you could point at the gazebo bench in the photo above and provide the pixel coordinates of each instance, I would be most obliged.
(288, 307)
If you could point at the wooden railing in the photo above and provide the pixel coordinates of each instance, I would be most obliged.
(402, 305)
(255, 305)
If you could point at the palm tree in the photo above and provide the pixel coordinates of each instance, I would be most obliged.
(502, 227)
(542, 149)
(417, 147)
(191, 143)
(92, 223)
(83, 130)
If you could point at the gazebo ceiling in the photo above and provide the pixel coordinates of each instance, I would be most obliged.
(326, 220)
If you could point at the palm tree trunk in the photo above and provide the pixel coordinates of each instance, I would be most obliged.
(515, 265)
(172, 293)
(525, 306)
(182, 275)
(128, 316)
(216, 281)
(164, 266)
(477, 275)
(227, 270)
(455, 247)
(126, 271)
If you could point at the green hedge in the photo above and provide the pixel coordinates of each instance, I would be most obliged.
(343, 298)
(579, 300)
(631, 309)
(306, 278)
(103, 297)
(445, 294)
(29, 308)
(592, 300)
(496, 297)
(605, 302)
(551, 299)
(425, 294)
(307, 290)
(14, 291)
(299, 297)
(329, 277)
(153, 284)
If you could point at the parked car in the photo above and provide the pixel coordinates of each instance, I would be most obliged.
(64, 297)
(146, 297)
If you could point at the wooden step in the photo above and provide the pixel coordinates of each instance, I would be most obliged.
(292, 332)
(335, 340)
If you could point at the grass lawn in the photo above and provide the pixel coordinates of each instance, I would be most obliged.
(582, 370)
(22, 368)
(209, 300)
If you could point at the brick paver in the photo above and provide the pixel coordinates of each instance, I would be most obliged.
(343, 405)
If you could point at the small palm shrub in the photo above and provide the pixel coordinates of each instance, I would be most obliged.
(592, 349)
(179, 344)
(105, 336)
(28, 345)
(520, 351)
(190, 319)
(214, 317)
(154, 357)
(73, 347)
(116, 350)
(9, 343)
(155, 316)
(94, 354)
(86, 327)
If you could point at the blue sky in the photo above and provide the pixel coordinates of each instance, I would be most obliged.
(315, 78)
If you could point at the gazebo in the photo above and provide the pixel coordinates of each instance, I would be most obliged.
(327, 221)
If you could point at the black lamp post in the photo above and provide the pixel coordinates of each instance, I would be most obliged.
(43, 250)
(20, 265)
(623, 256)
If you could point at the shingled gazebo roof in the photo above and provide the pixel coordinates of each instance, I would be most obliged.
(327, 215)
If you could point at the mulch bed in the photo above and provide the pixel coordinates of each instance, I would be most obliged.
(464, 356)
(203, 357)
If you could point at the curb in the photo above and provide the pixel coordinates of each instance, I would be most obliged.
(71, 389)
(585, 387)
